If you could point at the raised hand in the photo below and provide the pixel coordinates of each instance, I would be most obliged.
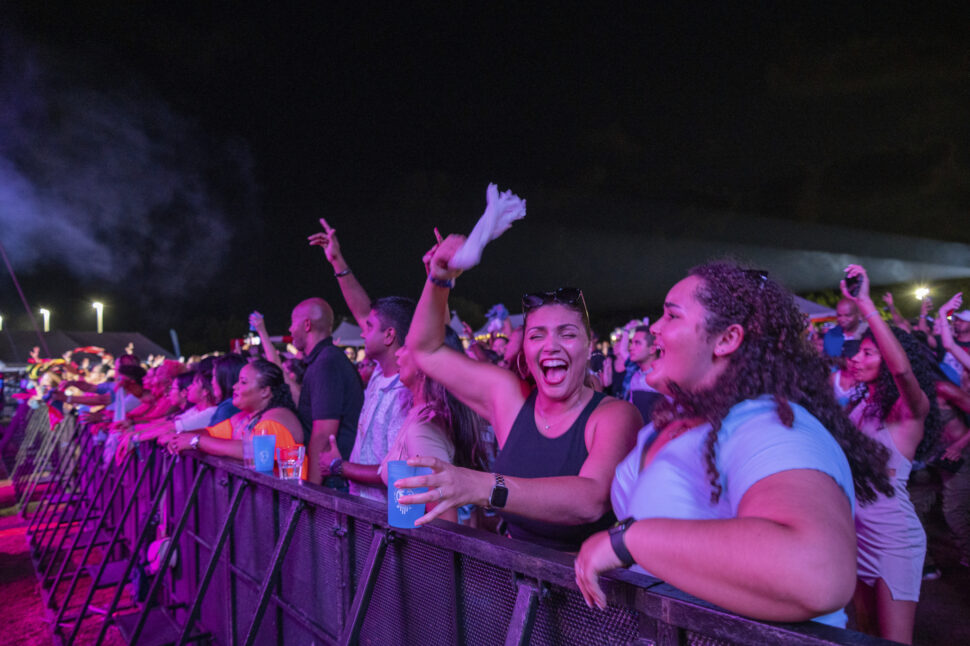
(951, 305)
(887, 298)
(256, 322)
(437, 258)
(863, 294)
(327, 239)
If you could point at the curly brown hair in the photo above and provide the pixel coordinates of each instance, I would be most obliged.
(774, 358)
(884, 393)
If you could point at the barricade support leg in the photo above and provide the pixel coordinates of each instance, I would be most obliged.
(213, 563)
(163, 567)
(282, 545)
(116, 534)
(90, 546)
(523, 614)
(88, 517)
(375, 557)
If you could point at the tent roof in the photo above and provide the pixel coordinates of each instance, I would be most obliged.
(813, 310)
(347, 334)
(15, 345)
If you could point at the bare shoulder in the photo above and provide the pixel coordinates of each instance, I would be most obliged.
(614, 418)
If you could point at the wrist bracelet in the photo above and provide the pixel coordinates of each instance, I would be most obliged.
(337, 467)
(870, 314)
(341, 274)
(441, 282)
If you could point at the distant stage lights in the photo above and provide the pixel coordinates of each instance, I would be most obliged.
(922, 292)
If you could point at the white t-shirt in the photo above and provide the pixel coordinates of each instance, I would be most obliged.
(752, 444)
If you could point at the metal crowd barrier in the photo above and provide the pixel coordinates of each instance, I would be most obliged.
(259, 560)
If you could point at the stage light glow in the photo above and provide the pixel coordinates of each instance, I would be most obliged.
(922, 292)
(47, 319)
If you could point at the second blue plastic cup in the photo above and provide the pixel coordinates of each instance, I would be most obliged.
(399, 515)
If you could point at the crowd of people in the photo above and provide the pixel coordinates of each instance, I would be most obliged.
(728, 448)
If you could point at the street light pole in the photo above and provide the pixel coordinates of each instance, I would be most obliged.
(99, 307)
(47, 319)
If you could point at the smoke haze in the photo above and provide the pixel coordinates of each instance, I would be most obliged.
(101, 175)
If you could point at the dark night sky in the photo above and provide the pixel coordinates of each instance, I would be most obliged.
(389, 120)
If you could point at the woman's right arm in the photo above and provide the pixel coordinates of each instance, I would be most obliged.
(946, 334)
(494, 393)
(892, 352)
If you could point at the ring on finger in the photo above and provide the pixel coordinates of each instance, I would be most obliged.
(440, 494)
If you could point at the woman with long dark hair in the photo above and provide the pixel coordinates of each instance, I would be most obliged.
(559, 441)
(225, 373)
(265, 407)
(740, 491)
(437, 426)
(895, 404)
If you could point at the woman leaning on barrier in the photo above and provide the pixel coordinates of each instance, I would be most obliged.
(265, 407)
(740, 491)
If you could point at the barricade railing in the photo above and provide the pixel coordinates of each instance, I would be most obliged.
(258, 560)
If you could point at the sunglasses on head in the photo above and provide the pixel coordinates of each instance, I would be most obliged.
(563, 296)
(758, 275)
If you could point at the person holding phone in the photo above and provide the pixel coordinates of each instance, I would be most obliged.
(896, 406)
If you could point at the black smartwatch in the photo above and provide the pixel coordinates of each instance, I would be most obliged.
(616, 540)
(500, 493)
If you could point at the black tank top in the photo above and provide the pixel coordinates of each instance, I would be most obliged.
(529, 454)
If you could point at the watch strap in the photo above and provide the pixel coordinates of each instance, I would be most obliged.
(617, 534)
(500, 493)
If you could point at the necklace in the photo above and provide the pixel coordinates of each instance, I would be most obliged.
(547, 424)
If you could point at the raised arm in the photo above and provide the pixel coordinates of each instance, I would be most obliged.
(269, 350)
(898, 319)
(946, 334)
(892, 352)
(489, 390)
(788, 556)
(924, 310)
(354, 293)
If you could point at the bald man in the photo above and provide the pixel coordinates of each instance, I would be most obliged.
(843, 340)
(332, 396)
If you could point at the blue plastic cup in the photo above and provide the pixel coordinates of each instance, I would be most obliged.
(399, 515)
(264, 453)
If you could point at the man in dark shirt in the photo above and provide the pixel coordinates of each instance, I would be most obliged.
(332, 396)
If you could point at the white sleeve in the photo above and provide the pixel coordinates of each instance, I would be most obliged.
(194, 420)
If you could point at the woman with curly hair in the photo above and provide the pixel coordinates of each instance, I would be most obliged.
(895, 405)
(741, 491)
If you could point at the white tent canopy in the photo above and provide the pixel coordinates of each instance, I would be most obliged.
(814, 311)
(347, 334)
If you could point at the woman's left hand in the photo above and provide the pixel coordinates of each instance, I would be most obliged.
(595, 557)
(449, 487)
(863, 293)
